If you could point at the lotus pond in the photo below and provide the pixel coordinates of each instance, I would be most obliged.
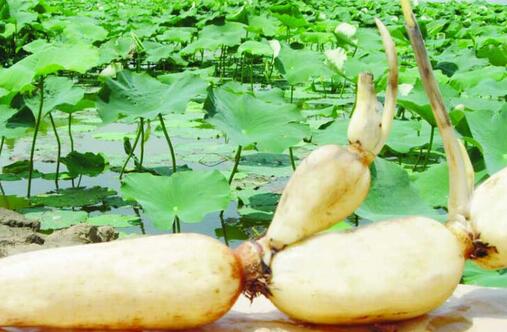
(175, 116)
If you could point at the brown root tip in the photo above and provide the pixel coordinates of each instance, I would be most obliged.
(463, 235)
(256, 273)
(481, 249)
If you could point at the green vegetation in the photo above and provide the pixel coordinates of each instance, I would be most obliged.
(101, 102)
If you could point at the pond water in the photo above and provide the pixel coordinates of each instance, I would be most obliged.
(196, 148)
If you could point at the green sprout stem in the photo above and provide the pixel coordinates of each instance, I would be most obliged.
(58, 149)
(168, 140)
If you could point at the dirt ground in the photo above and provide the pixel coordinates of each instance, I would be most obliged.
(18, 234)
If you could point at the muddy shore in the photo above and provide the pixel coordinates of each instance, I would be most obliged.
(18, 234)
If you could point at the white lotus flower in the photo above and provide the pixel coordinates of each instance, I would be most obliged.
(336, 57)
(111, 70)
(459, 107)
(275, 46)
(345, 29)
(405, 89)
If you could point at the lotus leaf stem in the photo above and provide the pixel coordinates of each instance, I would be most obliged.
(236, 163)
(168, 140)
(58, 153)
(131, 153)
(34, 139)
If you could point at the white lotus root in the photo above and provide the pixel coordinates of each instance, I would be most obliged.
(334, 180)
(417, 262)
(158, 282)
(480, 214)
(489, 221)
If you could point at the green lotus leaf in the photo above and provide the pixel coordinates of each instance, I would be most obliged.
(300, 66)
(392, 195)
(74, 197)
(57, 219)
(78, 58)
(263, 24)
(488, 128)
(246, 120)
(8, 130)
(134, 95)
(87, 163)
(255, 48)
(57, 91)
(186, 195)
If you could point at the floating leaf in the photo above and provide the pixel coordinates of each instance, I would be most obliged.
(266, 202)
(20, 169)
(73, 197)
(13, 202)
(87, 163)
(113, 220)
(58, 219)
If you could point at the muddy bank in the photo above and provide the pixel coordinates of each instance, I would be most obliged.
(18, 234)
